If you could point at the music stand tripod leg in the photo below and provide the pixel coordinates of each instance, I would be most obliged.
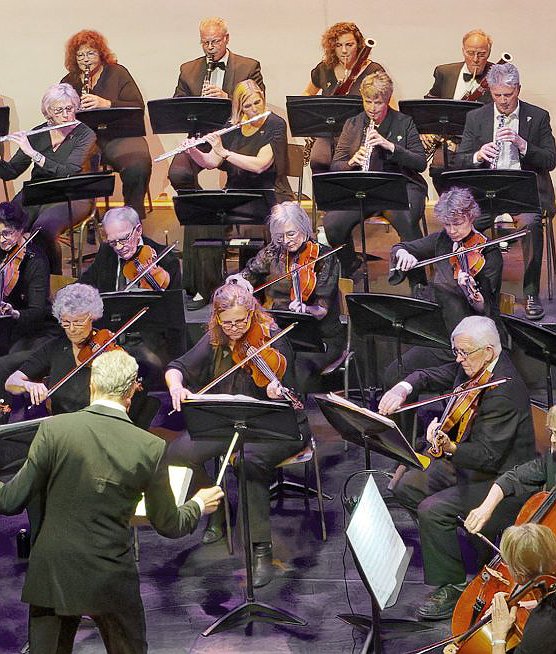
(366, 285)
(250, 610)
(72, 240)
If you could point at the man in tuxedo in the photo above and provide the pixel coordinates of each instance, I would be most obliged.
(158, 337)
(513, 135)
(86, 471)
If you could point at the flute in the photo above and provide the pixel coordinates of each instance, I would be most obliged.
(48, 128)
(203, 139)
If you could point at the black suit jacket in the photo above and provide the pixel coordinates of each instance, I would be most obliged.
(501, 435)
(408, 157)
(445, 81)
(89, 469)
(238, 69)
(534, 127)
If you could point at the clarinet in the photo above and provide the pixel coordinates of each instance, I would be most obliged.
(86, 88)
(208, 73)
(368, 147)
(499, 144)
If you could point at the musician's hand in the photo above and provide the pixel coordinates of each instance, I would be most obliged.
(405, 261)
(478, 518)
(216, 143)
(502, 617)
(274, 390)
(22, 142)
(488, 153)
(210, 497)
(37, 391)
(428, 140)
(315, 310)
(179, 394)
(508, 135)
(297, 306)
(392, 399)
(7, 311)
(240, 281)
(376, 140)
(431, 432)
(358, 158)
(211, 91)
(90, 101)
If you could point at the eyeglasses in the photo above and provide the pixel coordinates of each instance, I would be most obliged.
(7, 233)
(465, 355)
(67, 324)
(121, 241)
(480, 54)
(63, 110)
(286, 235)
(233, 324)
(90, 54)
(214, 42)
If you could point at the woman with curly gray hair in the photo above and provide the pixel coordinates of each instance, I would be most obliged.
(75, 307)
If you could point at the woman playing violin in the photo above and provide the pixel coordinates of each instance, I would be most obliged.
(529, 551)
(236, 319)
(315, 291)
(24, 286)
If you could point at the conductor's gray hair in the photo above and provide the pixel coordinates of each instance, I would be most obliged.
(77, 299)
(481, 330)
(114, 374)
(503, 75)
(289, 212)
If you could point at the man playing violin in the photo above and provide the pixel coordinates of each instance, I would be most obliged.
(292, 244)
(236, 320)
(159, 335)
(490, 435)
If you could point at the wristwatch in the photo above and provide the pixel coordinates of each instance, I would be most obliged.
(37, 157)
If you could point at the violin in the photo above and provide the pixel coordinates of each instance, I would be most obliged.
(471, 263)
(97, 339)
(460, 410)
(304, 277)
(265, 367)
(142, 267)
(9, 268)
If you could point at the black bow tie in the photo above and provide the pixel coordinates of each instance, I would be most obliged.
(467, 77)
(218, 64)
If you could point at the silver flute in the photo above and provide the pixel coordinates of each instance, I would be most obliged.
(203, 139)
(47, 128)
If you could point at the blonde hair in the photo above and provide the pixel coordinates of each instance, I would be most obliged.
(242, 91)
(477, 33)
(213, 21)
(379, 83)
(529, 550)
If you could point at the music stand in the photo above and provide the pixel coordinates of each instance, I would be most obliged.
(321, 116)
(445, 118)
(19, 435)
(4, 120)
(114, 122)
(409, 320)
(363, 191)
(66, 189)
(536, 341)
(192, 115)
(254, 421)
(497, 191)
(304, 334)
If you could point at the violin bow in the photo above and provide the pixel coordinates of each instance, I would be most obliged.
(296, 270)
(427, 262)
(151, 265)
(7, 262)
(95, 354)
(463, 391)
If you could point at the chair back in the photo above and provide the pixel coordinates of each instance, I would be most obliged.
(542, 436)
(59, 281)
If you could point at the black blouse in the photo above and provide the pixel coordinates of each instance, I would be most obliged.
(324, 77)
(115, 84)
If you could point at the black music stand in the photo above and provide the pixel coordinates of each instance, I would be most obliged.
(114, 122)
(363, 191)
(409, 320)
(192, 115)
(120, 306)
(254, 421)
(445, 118)
(223, 207)
(497, 191)
(304, 335)
(321, 116)
(66, 189)
(15, 440)
(4, 120)
(536, 341)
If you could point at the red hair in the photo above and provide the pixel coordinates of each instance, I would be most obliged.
(94, 40)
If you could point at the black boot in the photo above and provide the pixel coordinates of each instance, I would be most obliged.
(214, 530)
(263, 570)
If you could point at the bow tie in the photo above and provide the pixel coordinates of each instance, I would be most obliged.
(467, 77)
(218, 64)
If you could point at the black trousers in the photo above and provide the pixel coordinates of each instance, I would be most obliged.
(531, 244)
(131, 158)
(122, 633)
(260, 463)
(439, 494)
(338, 226)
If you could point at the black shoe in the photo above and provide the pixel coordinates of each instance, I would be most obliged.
(195, 305)
(263, 570)
(215, 527)
(440, 604)
(420, 292)
(533, 307)
(355, 269)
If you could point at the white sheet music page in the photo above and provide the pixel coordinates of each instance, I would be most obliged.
(376, 543)
(180, 478)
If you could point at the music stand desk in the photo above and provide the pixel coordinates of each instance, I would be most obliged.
(321, 115)
(189, 115)
(114, 122)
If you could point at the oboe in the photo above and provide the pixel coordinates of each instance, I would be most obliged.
(208, 73)
(86, 88)
(499, 144)
(368, 147)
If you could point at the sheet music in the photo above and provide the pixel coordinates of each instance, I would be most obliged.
(376, 543)
(180, 478)
(338, 399)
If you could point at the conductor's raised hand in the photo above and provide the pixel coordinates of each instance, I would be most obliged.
(393, 399)
(210, 497)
